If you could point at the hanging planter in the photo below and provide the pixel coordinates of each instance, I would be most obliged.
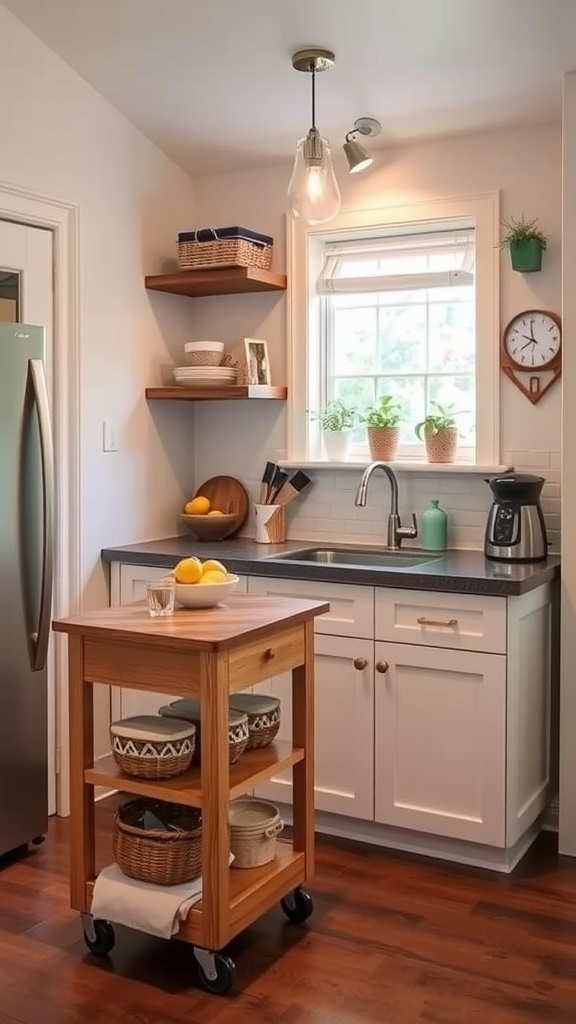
(526, 243)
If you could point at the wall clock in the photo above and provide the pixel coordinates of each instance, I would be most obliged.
(531, 352)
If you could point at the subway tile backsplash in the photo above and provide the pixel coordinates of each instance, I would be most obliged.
(326, 511)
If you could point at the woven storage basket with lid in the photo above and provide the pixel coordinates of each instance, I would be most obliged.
(151, 747)
(163, 856)
(190, 711)
(254, 826)
(210, 248)
(263, 712)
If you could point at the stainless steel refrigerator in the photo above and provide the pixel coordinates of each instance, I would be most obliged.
(26, 567)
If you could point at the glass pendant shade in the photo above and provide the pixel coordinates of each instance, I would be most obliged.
(313, 193)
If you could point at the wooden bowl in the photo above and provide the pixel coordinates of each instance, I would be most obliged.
(211, 527)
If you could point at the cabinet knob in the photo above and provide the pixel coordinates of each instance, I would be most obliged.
(382, 667)
(360, 663)
(269, 654)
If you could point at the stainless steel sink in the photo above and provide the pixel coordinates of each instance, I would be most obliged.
(364, 557)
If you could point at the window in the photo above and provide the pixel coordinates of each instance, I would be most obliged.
(405, 303)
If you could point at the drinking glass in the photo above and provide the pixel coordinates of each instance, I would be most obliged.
(160, 597)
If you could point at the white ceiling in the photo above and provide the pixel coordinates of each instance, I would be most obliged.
(211, 81)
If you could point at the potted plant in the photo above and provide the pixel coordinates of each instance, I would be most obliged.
(525, 242)
(382, 426)
(337, 421)
(440, 434)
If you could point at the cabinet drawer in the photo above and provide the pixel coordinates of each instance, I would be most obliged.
(351, 608)
(465, 622)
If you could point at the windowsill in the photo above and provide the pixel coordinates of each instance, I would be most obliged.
(411, 466)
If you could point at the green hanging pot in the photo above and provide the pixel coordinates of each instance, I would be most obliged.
(526, 256)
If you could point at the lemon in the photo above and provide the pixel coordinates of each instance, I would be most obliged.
(211, 565)
(188, 570)
(215, 512)
(199, 506)
(212, 577)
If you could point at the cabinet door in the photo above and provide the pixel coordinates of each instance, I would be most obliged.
(126, 703)
(440, 741)
(351, 607)
(344, 728)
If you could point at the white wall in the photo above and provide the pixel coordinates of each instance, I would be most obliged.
(59, 137)
(525, 165)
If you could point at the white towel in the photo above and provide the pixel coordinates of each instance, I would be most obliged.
(155, 909)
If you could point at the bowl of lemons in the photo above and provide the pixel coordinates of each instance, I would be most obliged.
(208, 523)
(200, 584)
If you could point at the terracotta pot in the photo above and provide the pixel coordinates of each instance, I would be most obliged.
(441, 446)
(383, 443)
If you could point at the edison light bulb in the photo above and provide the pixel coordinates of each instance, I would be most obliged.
(313, 193)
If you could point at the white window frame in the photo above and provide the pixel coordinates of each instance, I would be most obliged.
(305, 257)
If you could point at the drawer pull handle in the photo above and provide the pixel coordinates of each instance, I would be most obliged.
(423, 621)
(382, 667)
(269, 654)
(360, 663)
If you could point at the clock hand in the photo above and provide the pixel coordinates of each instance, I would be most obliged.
(529, 342)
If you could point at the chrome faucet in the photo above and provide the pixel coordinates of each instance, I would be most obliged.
(396, 532)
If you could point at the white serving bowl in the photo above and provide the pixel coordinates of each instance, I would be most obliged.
(204, 595)
(203, 353)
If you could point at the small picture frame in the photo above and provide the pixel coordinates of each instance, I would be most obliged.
(257, 363)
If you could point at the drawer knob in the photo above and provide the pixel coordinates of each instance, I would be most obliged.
(382, 667)
(360, 663)
(423, 621)
(269, 654)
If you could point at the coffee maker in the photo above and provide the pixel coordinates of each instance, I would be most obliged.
(515, 531)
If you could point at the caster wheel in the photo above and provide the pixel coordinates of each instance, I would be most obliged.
(217, 977)
(297, 906)
(103, 938)
(38, 840)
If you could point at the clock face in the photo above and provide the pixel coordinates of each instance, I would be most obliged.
(533, 339)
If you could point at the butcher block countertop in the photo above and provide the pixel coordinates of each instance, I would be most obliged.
(244, 617)
(456, 571)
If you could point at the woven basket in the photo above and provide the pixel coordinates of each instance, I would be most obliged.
(203, 358)
(263, 717)
(213, 251)
(151, 757)
(238, 734)
(154, 855)
(254, 843)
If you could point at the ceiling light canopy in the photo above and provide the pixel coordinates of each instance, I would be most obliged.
(313, 193)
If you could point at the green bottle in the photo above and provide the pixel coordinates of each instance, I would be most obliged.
(434, 527)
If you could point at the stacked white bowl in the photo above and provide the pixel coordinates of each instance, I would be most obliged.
(203, 353)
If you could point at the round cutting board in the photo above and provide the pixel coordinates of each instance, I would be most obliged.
(228, 495)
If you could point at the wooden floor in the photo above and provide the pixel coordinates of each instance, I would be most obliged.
(393, 940)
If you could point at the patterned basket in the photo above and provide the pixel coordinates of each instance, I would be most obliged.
(263, 717)
(161, 856)
(189, 710)
(149, 747)
(211, 248)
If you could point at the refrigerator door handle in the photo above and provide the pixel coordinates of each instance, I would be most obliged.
(41, 638)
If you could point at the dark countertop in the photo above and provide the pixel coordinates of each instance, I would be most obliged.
(466, 572)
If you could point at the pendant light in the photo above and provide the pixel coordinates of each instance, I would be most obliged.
(357, 157)
(313, 193)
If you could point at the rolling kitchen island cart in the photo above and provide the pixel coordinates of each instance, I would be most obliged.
(205, 653)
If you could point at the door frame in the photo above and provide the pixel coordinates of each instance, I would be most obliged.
(62, 218)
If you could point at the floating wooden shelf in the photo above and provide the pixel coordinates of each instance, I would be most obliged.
(228, 281)
(254, 767)
(210, 394)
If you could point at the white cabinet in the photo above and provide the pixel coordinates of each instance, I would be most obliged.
(344, 728)
(463, 622)
(351, 607)
(440, 726)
